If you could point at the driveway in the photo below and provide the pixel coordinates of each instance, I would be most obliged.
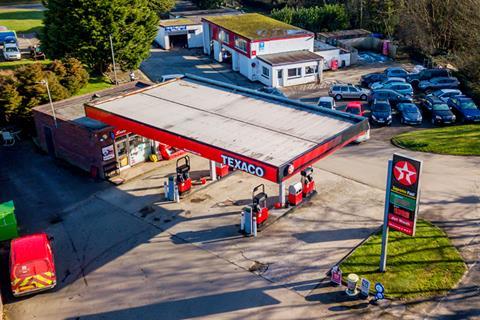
(181, 61)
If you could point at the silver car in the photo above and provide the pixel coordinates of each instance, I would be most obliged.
(348, 91)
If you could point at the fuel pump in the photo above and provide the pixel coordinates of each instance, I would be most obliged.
(307, 181)
(259, 206)
(184, 182)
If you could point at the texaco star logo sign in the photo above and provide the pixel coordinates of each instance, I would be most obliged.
(405, 173)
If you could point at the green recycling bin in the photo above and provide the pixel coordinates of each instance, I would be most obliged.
(8, 221)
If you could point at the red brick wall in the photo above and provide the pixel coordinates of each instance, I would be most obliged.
(73, 143)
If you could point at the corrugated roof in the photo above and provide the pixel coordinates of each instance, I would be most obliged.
(255, 26)
(285, 58)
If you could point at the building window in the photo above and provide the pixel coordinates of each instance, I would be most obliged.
(223, 36)
(310, 70)
(280, 74)
(295, 73)
(265, 72)
(241, 44)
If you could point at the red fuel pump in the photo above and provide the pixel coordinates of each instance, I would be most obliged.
(184, 182)
(307, 181)
(260, 209)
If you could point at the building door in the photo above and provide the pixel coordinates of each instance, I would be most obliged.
(280, 77)
(178, 40)
(121, 150)
(49, 141)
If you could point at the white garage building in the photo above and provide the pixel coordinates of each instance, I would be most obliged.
(263, 49)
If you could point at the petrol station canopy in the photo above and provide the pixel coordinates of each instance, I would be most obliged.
(268, 136)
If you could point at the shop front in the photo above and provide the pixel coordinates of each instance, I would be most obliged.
(130, 149)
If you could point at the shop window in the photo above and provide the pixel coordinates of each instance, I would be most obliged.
(265, 72)
(223, 36)
(294, 73)
(241, 44)
(310, 70)
(280, 74)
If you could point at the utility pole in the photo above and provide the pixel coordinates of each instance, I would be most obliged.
(113, 60)
(383, 256)
(45, 83)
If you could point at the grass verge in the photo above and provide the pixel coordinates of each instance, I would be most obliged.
(22, 20)
(455, 140)
(95, 84)
(422, 266)
(10, 65)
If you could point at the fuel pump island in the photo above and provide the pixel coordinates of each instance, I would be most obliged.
(270, 137)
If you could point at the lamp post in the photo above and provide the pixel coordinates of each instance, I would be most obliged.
(45, 83)
(113, 59)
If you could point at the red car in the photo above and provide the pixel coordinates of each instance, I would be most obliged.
(32, 268)
(355, 107)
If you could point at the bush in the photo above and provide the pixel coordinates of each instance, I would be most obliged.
(24, 89)
(329, 17)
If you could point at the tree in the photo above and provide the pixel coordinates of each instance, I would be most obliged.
(161, 7)
(10, 99)
(76, 77)
(81, 29)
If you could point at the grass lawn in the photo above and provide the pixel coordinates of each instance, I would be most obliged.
(22, 20)
(95, 84)
(422, 266)
(456, 140)
(8, 65)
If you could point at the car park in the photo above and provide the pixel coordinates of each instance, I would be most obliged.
(356, 108)
(380, 84)
(392, 96)
(446, 94)
(381, 113)
(465, 109)
(370, 78)
(327, 102)
(348, 91)
(403, 88)
(439, 83)
(396, 72)
(427, 74)
(11, 52)
(271, 90)
(409, 113)
(439, 111)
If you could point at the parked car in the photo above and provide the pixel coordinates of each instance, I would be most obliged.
(427, 74)
(327, 102)
(403, 88)
(438, 83)
(396, 72)
(167, 77)
(32, 268)
(439, 111)
(465, 109)
(10, 39)
(355, 107)
(370, 78)
(409, 113)
(11, 52)
(392, 96)
(5, 34)
(348, 91)
(381, 113)
(446, 94)
(271, 90)
(380, 84)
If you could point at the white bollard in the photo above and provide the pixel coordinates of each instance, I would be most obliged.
(242, 222)
(254, 226)
(177, 195)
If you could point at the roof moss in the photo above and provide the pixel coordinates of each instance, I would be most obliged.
(176, 22)
(255, 26)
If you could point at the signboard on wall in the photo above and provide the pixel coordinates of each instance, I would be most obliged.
(108, 153)
(261, 46)
(175, 28)
(404, 194)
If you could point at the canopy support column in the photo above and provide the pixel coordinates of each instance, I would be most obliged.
(213, 172)
(281, 193)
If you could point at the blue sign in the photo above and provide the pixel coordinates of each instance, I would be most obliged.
(261, 46)
(175, 28)
(380, 290)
